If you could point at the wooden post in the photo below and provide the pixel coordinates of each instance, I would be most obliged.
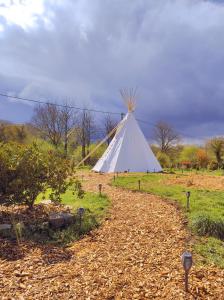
(114, 177)
(188, 194)
(80, 212)
(139, 184)
(100, 189)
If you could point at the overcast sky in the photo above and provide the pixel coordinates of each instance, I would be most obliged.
(85, 51)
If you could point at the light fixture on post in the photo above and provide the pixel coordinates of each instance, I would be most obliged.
(187, 264)
(100, 189)
(80, 212)
(188, 194)
(139, 184)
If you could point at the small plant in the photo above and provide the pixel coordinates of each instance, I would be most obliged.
(78, 188)
(18, 229)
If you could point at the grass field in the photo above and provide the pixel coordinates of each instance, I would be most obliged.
(206, 214)
(92, 202)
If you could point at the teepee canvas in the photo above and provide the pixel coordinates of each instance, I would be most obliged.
(129, 150)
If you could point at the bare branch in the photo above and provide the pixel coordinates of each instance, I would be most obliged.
(165, 136)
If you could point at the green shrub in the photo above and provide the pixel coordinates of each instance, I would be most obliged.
(206, 225)
(78, 188)
(164, 159)
(213, 165)
(26, 171)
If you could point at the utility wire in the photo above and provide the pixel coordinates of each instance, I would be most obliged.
(60, 105)
(77, 108)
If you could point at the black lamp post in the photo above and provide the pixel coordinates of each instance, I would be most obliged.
(139, 184)
(187, 264)
(100, 189)
(80, 212)
(188, 194)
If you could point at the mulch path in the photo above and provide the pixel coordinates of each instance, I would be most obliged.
(134, 254)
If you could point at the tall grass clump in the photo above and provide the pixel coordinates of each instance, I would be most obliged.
(209, 226)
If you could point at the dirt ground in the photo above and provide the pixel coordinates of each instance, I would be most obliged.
(198, 181)
(134, 254)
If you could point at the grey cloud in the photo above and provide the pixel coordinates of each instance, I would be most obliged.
(87, 50)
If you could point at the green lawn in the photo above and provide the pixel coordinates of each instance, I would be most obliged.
(93, 202)
(206, 215)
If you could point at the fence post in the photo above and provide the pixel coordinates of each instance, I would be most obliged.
(100, 189)
(188, 194)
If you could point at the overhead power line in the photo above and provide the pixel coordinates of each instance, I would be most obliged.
(60, 105)
(77, 108)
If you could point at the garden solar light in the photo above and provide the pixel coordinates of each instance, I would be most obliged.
(100, 188)
(188, 194)
(187, 264)
(81, 211)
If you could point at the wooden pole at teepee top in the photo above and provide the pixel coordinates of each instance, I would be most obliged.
(129, 97)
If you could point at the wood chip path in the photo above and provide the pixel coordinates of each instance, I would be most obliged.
(134, 254)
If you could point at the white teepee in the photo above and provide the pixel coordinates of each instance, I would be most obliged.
(129, 150)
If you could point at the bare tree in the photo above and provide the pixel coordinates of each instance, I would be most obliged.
(165, 136)
(216, 145)
(47, 118)
(109, 125)
(55, 123)
(86, 129)
(68, 120)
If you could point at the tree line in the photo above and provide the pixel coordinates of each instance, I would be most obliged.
(66, 129)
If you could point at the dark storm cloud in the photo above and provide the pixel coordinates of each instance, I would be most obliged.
(87, 50)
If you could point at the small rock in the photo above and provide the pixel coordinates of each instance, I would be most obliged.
(5, 230)
(46, 202)
(59, 220)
